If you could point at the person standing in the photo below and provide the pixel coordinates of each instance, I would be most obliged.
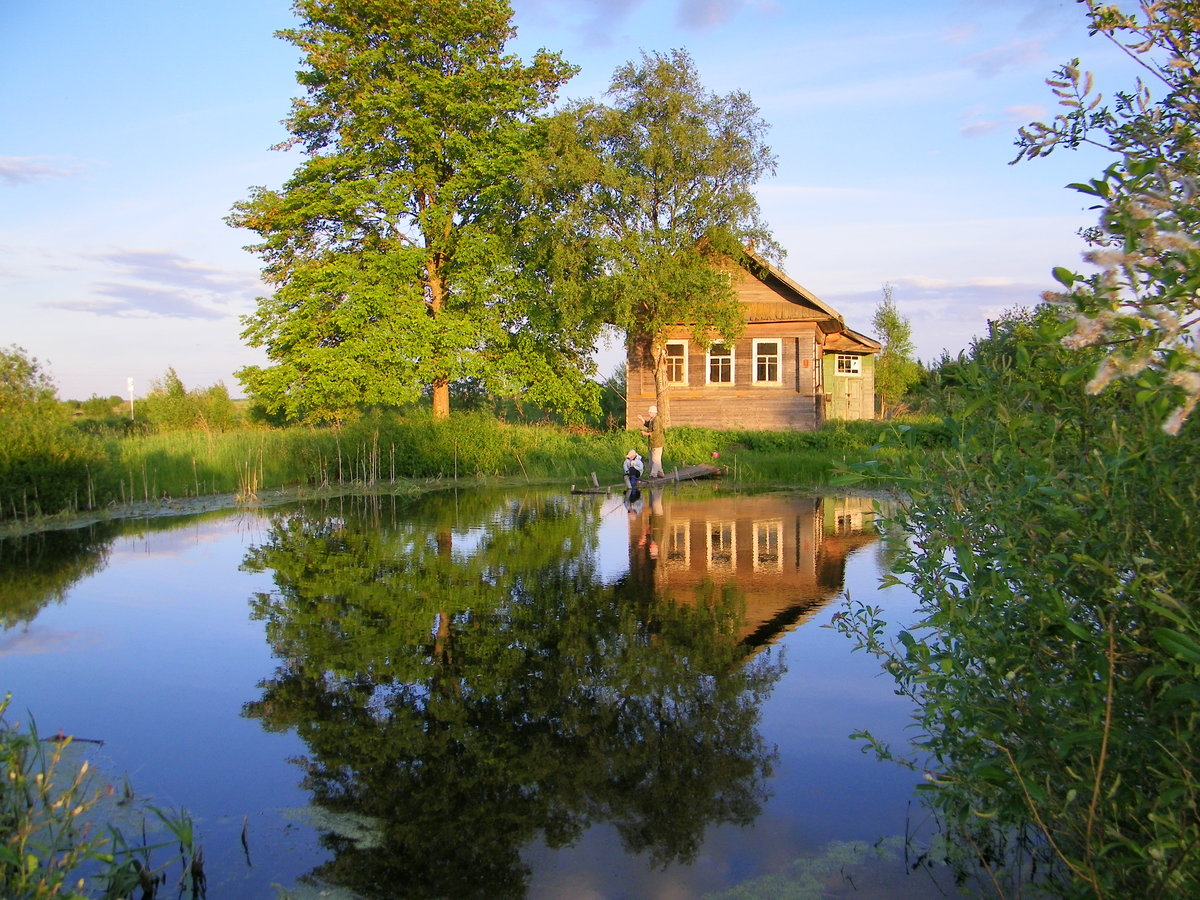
(655, 432)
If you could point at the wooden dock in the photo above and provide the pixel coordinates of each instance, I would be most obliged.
(687, 473)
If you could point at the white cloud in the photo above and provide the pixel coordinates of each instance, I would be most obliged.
(1015, 54)
(27, 169)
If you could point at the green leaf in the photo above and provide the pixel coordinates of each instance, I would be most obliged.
(1063, 276)
(1079, 631)
(846, 478)
(1180, 646)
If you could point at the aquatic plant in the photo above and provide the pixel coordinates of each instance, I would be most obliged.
(56, 840)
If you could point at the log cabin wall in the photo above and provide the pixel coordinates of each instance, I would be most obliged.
(793, 403)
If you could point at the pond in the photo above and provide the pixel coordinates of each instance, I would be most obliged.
(483, 693)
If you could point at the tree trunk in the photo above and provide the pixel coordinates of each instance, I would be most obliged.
(441, 399)
(662, 397)
(437, 296)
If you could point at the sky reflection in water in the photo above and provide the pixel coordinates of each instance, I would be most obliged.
(476, 693)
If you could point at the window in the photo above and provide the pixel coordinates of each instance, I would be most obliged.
(677, 362)
(766, 362)
(848, 364)
(767, 539)
(720, 364)
(722, 546)
(679, 546)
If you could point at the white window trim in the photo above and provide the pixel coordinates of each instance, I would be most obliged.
(778, 379)
(857, 373)
(768, 534)
(678, 552)
(722, 553)
(732, 356)
(683, 344)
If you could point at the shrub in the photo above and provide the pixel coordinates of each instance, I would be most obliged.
(1056, 654)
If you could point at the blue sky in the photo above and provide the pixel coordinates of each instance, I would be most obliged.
(128, 129)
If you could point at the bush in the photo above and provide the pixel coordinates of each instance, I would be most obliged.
(171, 407)
(1055, 660)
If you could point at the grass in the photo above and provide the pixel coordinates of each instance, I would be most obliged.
(58, 840)
(56, 470)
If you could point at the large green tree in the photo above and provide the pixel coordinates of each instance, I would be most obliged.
(389, 248)
(662, 202)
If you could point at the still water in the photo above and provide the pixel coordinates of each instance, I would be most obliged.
(483, 694)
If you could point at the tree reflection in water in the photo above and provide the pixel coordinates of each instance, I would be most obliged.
(462, 678)
(40, 568)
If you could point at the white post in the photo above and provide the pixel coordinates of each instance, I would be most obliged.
(129, 381)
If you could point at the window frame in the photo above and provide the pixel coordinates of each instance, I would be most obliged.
(709, 356)
(768, 545)
(684, 344)
(855, 361)
(778, 356)
(720, 545)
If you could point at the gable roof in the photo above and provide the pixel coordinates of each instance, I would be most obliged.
(770, 295)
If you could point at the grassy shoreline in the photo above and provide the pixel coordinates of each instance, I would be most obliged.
(84, 477)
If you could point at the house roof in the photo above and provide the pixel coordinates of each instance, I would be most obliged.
(850, 341)
(768, 294)
(791, 290)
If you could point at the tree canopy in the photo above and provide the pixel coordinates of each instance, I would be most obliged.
(389, 248)
(662, 200)
(24, 383)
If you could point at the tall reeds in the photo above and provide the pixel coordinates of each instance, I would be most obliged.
(86, 471)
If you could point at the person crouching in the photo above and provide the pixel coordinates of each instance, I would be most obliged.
(633, 468)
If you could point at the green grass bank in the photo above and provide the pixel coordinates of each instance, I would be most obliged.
(51, 468)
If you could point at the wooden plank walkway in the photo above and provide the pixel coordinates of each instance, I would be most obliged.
(687, 473)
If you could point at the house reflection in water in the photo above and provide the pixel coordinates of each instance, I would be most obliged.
(785, 555)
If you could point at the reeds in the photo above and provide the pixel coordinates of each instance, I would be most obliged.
(56, 838)
(389, 449)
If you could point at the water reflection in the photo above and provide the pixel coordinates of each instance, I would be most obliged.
(785, 555)
(463, 678)
(39, 569)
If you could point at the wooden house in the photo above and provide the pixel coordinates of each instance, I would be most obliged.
(795, 365)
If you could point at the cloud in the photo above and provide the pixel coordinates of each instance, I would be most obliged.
(28, 169)
(157, 301)
(946, 315)
(594, 22)
(700, 15)
(1012, 118)
(33, 640)
(163, 284)
(1015, 54)
(171, 268)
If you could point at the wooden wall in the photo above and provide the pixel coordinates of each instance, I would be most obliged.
(795, 403)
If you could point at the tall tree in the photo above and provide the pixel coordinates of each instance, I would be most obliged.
(664, 195)
(387, 248)
(895, 369)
